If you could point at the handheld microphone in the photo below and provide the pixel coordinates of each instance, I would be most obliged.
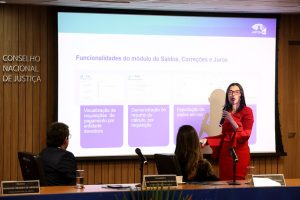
(223, 119)
(141, 156)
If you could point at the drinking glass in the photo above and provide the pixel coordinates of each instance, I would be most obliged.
(79, 178)
(250, 172)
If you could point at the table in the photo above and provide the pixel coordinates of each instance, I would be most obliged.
(207, 191)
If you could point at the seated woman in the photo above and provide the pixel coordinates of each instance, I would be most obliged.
(188, 152)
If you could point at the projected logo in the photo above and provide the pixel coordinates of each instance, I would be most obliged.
(259, 29)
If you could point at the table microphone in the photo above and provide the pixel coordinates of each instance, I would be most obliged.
(141, 156)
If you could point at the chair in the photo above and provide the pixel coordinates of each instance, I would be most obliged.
(167, 164)
(31, 167)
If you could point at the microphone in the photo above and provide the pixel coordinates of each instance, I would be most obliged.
(223, 119)
(141, 156)
(233, 154)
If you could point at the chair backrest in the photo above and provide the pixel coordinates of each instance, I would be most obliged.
(31, 167)
(167, 164)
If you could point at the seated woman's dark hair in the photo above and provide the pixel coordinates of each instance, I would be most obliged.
(57, 132)
(193, 166)
(187, 150)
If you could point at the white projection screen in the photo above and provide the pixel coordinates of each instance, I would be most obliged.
(131, 80)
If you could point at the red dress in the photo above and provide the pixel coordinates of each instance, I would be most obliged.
(221, 144)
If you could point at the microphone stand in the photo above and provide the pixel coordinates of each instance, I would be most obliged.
(235, 160)
(141, 173)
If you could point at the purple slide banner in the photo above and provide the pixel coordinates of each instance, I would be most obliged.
(101, 126)
(148, 125)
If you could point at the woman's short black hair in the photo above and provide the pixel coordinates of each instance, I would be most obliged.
(56, 134)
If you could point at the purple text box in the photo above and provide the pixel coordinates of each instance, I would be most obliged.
(148, 125)
(101, 126)
(188, 115)
(195, 115)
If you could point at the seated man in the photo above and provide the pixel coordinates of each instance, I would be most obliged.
(59, 164)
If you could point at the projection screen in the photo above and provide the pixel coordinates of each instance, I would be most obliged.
(131, 80)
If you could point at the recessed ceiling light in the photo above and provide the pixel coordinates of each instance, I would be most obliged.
(2, 1)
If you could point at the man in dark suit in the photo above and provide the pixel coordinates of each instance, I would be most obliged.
(59, 164)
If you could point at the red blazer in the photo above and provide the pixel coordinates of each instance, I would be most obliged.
(220, 145)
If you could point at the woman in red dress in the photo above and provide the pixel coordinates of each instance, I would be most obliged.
(236, 130)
